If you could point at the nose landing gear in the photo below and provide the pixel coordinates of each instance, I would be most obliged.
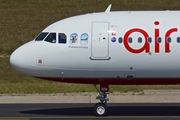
(100, 109)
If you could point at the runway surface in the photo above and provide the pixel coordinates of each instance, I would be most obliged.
(133, 111)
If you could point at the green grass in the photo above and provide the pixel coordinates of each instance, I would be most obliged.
(22, 20)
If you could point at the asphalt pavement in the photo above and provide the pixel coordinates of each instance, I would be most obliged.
(123, 111)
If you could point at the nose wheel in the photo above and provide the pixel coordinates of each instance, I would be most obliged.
(100, 109)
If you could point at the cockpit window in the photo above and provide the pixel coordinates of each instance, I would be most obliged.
(41, 36)
(51, 38)
(62, 38)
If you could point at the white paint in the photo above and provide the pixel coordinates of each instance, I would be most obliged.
(74, 60)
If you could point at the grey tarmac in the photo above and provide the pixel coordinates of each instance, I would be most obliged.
(74, 111)
(151, 105)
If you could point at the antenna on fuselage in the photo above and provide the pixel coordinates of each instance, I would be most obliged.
(108, 9)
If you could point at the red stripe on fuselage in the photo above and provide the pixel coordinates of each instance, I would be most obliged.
(119, 81)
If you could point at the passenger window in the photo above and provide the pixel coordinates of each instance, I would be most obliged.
(169, 39)
(120, 40)
(41, 36)
(73, 38)
(139, 40)
(130, 39)
(62, 38)
(84, 39)
(159, 39)
(51, 38)
(178, 39)
(149, 39)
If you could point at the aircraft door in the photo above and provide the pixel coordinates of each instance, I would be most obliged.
(100, 40)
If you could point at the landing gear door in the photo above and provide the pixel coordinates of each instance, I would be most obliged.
(100, 40)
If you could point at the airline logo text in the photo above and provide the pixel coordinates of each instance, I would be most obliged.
(146, 46)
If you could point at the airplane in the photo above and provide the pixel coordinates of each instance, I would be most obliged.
(106, 48)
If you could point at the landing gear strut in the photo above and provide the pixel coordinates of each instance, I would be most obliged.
(100, 109)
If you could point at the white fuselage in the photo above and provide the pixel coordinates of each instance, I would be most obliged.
(93, 47)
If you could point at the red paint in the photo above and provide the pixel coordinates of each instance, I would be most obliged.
(156, 42)
(144, 48)
(156, 37)
(113, 34)
(119, 81)
(104, 87)
(168, 33)
(156, 22)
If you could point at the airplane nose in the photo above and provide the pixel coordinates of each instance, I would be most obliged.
(18, 60)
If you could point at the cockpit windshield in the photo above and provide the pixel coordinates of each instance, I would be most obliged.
(41, 36)
(51, 38)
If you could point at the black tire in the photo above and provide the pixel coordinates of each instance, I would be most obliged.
(100, 109)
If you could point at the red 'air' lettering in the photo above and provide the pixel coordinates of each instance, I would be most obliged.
(146, 46)
(168, 33)
(156, 42)
(156, 36)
